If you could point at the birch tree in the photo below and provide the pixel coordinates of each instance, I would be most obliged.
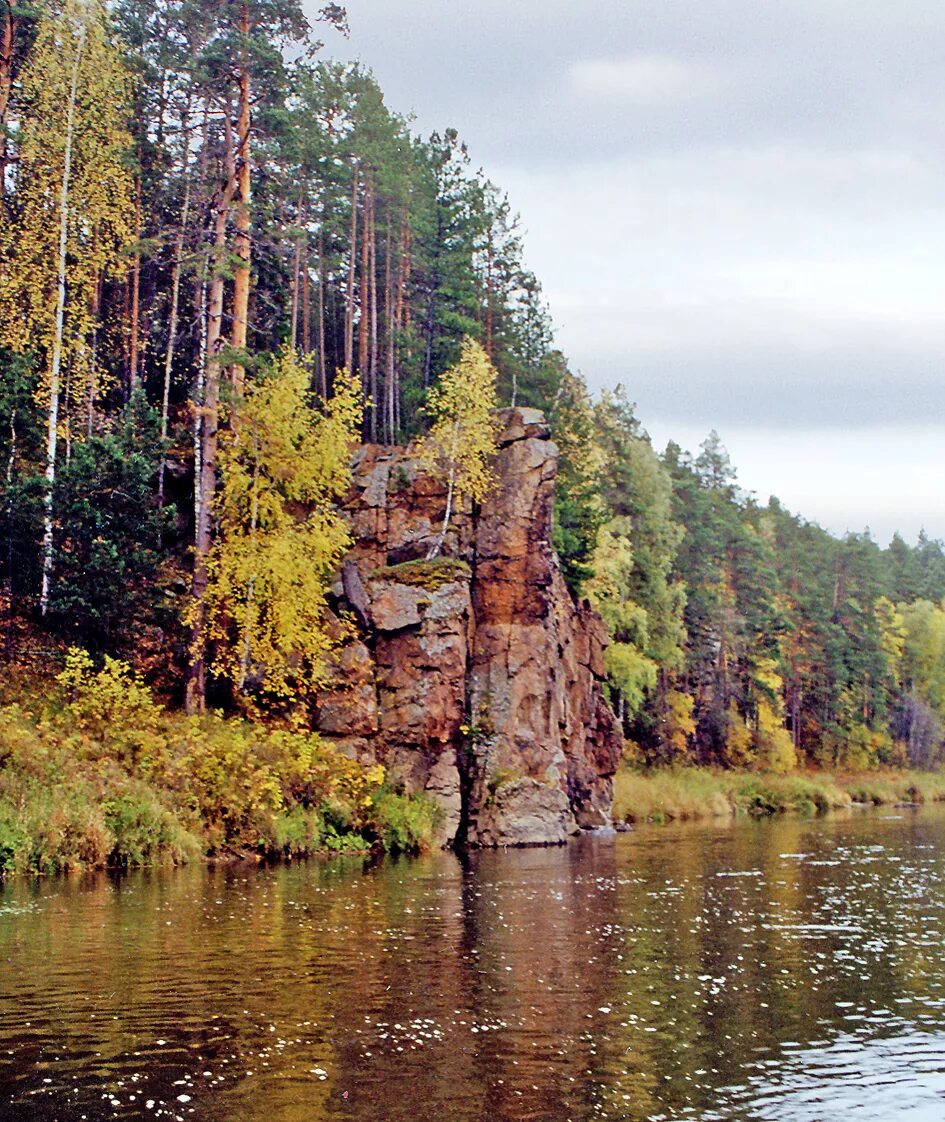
(461, 442)
(74, 208)
(284, 464)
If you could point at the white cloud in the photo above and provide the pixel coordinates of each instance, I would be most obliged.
(780, 272)
(645, 80)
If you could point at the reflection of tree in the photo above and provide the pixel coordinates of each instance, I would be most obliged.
(622, 978)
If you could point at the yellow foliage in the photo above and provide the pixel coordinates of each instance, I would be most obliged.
(738, 740)
(766, 676)
(678, 725)
(283, 464)
(773, 744)
(113, 707)
(461, 441)
(72, 45)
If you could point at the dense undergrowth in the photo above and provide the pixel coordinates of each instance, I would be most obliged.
(690, 793)
(94, 773)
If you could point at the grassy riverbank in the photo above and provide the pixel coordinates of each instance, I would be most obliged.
(95, 773)
(680, 794)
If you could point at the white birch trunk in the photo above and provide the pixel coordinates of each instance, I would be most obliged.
(55, 365)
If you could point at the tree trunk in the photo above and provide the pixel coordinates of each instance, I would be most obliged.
(196, 691)
(134, 380)
(388, 343)
(7, 37)
(372, 289)
(450, 489)
(322, 361)
(306, 304)
(241, 243)
(489, 266)
(201, 302)
(95, 303)
(363, 291)
(352, 256)
(55, 364)
(297, 276)
(402, 312)
(172, 325)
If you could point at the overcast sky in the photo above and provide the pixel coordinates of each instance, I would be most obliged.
(736, 208)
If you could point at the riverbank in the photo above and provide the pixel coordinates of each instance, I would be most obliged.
(94, 773)
(683, 794)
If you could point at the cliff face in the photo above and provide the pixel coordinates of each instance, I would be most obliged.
(475, 678)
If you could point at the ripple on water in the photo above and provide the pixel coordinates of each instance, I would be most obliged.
(785, 970)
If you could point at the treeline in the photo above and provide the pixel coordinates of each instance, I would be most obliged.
(221, 260)
(743, 634)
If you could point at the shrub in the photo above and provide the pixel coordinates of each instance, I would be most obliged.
(405, 823)
(97, 773)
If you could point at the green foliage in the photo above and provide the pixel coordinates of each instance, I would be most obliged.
(405, 824)
(107, 549)
(579, 509)
(632, 674)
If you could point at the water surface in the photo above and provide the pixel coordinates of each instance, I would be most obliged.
(790, 970)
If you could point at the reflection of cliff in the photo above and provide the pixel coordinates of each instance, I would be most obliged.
(476, 677)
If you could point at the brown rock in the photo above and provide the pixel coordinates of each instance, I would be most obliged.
(526, 812)
(506, 651)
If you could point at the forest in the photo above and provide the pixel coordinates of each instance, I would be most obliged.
(224, 261)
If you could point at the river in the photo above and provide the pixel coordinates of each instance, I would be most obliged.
(788, 969)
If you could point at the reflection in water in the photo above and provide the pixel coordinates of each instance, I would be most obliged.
(776, 970)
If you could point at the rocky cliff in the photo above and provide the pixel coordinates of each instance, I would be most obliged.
(476, 677)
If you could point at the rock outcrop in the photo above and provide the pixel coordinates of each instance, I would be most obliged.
(475, 677)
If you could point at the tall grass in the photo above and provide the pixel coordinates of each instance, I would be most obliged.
(681, 794)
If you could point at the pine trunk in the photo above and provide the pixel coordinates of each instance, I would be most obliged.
(389, 343)
(196, 691)
(172, 325)
(306, 305)
(241, 243)
(297, 275)
(134, 380)
(489, 266)
(352, 256)
(322, 361)
(372, 289)
(363, 286)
